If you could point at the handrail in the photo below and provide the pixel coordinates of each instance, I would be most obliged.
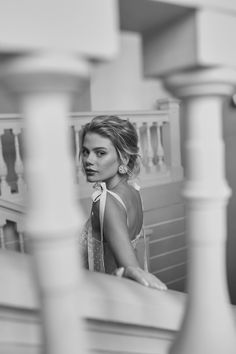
(108, 299)
(113, 307)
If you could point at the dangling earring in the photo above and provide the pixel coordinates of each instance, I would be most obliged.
(123, 169)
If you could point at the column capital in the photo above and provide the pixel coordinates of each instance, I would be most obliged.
(202, 82)
(44, 71)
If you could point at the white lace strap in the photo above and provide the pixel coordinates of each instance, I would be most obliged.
(102, 205)
(102, 199)
(101, 195)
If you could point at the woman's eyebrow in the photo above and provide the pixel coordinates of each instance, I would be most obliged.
(95, 148)
(100, 148)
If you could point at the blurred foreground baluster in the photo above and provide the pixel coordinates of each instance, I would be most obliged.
(44, 83)
(208, 326)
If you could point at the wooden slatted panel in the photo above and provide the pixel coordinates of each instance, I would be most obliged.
(165, 216)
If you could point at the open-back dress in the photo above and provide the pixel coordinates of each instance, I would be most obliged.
(96, 254)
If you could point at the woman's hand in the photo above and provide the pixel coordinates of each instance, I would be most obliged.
(141, 276)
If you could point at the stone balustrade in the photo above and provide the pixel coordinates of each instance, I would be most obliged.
(159, 148)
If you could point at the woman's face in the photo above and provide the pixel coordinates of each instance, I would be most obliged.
(100, 159)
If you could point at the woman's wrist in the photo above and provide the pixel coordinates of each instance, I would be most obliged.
(121, 271)
(141, 276)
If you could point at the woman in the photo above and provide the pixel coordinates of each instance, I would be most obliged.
(109, 240)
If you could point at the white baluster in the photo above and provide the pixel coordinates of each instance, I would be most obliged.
(44, 82)
(171, 140)
(19, 168)
(144, 145)
(149, 151)
(209, 324)
(5, 188)
(137, 126)
(160, 150)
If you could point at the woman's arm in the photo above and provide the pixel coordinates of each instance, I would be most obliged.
(117, 235)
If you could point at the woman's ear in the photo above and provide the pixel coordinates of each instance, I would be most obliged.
(123, 168)
(124, 160)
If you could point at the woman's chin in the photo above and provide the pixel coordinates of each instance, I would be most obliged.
(91, 179)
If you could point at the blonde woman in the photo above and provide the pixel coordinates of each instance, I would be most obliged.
(109, 240)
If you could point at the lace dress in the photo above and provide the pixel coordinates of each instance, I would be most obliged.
(96, 254)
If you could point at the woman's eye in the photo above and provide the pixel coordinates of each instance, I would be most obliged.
(100, 153)
(84, 152)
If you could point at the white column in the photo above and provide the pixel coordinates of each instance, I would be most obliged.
(208, 326)
(44, 83)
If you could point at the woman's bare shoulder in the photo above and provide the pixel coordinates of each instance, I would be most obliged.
(129, 195)
(132, 215)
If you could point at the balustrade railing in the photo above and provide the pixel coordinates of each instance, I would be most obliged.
(158, 133)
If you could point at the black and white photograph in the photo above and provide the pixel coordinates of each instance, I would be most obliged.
(117, 177)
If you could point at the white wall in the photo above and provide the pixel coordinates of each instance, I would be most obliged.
(8, 103)
(115, 85)
(120, 85)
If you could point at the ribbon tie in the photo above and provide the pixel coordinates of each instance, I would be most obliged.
(100, 188)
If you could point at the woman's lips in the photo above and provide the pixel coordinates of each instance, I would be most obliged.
(90, 172)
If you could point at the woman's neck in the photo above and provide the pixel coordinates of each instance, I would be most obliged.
(112, 184)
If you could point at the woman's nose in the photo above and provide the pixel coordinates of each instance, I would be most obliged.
(90, 159)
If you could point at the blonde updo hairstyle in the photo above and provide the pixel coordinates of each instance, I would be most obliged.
(123, 136)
